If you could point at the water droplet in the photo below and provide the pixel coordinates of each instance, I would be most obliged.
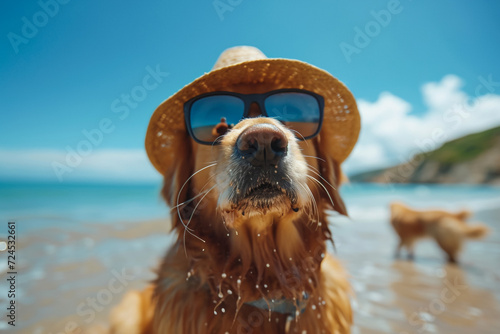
(323, 302)
(290, 259)
(319, 315)
(274, 250)
(322, 255)
(223, 310)
(267, 265)
(265, 286)
(258, 234)
(475, 311)
(256, 286)
(215, 312)
(313, 307)
(236, 232)
(220, 295)
(228, 234)
(229, 292)
(203, 250)
(238, 281)
(223, 275)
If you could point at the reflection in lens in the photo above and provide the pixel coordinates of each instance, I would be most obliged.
(221, 128)
(212, 116)
(298, 111)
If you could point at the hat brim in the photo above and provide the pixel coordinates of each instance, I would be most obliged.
(341, 124)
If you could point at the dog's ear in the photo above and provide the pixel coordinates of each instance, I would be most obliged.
(463, 215)
(176, 187)
(330, 171)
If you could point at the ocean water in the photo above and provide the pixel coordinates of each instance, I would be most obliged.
(71, 242)
(365, 201)
(41, 206)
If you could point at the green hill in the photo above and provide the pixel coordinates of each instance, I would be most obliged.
(466, 148)
(474, 158)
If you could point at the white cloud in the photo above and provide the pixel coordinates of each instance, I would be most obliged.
(441, 95)
(130, 166)
(391, 134)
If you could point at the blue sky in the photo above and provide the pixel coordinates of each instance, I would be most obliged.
(64, 77)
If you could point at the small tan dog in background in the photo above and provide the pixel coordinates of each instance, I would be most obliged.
(447, 228)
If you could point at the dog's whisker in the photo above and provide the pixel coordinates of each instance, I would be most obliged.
(297, 132)
(314, 204)
(212, 162)
(312, 156)
(179, 195)
(197, 204)
(191, 217)
(310, 166)
(315, 172)
(312, 200)
(215, 141)
(321, 184)
(190, 200)
(195, 197)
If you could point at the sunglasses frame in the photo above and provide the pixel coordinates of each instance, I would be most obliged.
(248, 99)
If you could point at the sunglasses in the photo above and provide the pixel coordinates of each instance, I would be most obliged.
(211, 115)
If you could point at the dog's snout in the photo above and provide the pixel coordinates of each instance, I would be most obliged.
(262, 145)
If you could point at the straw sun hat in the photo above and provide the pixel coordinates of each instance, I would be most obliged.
(167, 135)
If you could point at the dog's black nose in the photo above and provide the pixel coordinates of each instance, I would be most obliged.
(262, 145)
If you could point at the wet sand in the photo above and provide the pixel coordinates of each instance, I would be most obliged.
(72, 279)
(426, 295)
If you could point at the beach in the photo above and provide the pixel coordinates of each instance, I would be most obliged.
(75, 262)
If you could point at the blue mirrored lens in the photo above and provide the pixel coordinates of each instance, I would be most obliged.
(212, 116)
(298, 111)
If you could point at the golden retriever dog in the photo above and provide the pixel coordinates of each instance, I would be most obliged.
(249, 209)
(254, 234)
(448, 229)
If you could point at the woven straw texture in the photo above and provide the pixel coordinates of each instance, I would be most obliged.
(167, 135)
